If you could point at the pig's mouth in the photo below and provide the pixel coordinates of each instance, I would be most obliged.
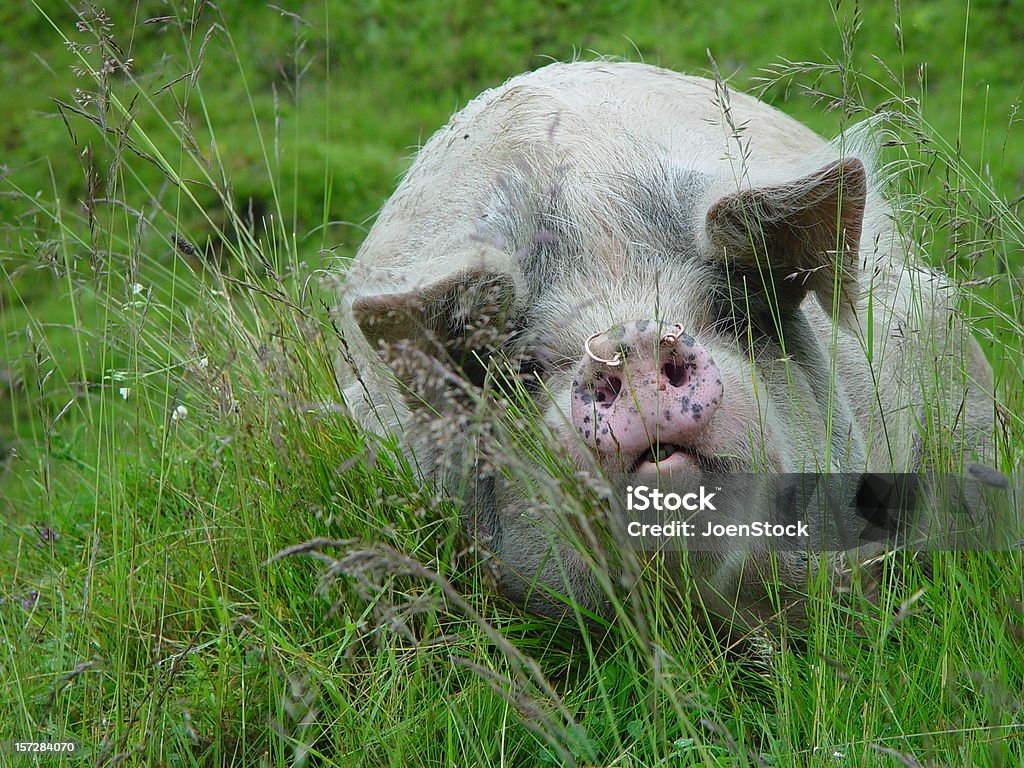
(666, 457)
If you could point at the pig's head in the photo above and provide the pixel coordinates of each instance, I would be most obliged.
(680, 327)
(661, 323)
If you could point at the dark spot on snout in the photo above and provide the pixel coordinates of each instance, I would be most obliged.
(643, 325)
(586, 419)
(616, 333)
(696, 408)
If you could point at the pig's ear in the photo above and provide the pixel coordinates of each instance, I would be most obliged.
(457, 320)
(796, 237)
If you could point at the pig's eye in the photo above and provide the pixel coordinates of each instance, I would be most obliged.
(531, 371)
(747, 322)
(537, 361)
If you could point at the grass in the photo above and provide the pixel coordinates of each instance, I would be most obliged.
(169, 415)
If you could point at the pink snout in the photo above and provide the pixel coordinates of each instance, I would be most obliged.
(644, 391)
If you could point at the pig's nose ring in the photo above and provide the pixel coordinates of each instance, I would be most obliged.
(615, 361)
(671, 338)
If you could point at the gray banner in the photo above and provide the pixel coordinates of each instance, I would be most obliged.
(979, 510)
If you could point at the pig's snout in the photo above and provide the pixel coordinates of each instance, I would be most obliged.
(644, 391)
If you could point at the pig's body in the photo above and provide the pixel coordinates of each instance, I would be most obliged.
(572, 204)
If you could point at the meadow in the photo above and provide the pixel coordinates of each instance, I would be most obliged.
(203, 562)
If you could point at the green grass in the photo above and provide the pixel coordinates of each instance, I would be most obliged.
(143, 612)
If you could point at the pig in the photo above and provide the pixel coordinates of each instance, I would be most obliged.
(685, 280)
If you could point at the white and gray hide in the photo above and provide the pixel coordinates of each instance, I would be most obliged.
(687, 282)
